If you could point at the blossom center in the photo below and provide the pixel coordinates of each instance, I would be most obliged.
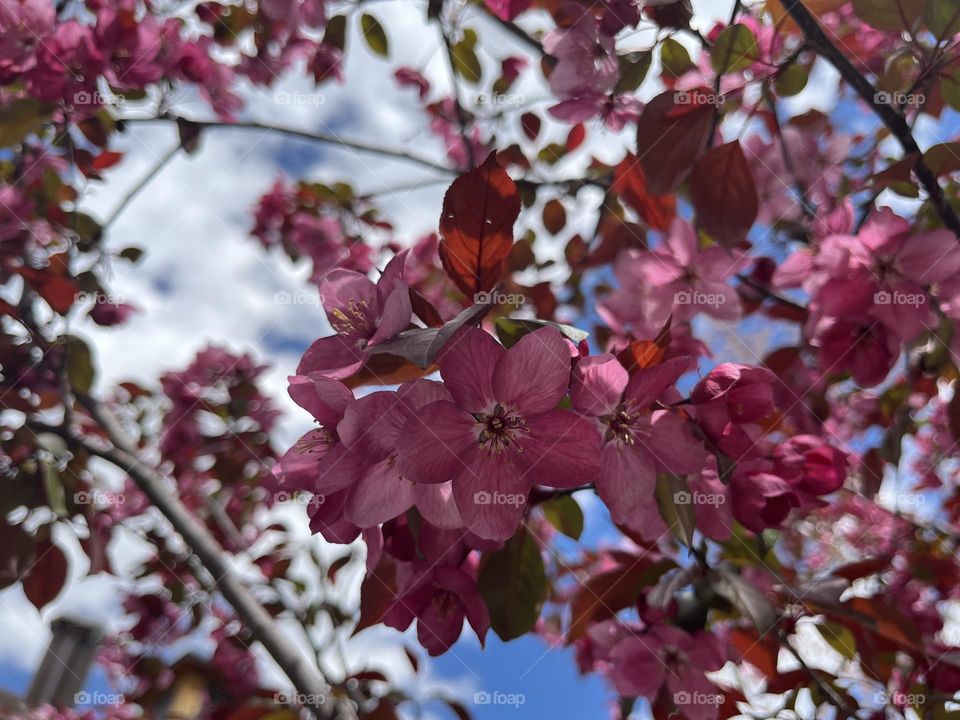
(623, 424)
(352, 318)
(500, 428)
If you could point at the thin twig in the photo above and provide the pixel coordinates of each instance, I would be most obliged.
(894, 120)
(141, 184)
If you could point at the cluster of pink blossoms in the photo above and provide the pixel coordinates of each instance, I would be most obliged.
(466, 453)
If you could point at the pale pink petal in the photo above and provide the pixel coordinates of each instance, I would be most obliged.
(395, 317)
(372, 424)
(627, 483)
(433, 441)
(650, 383)
(490, 494)
(467, 362)
(598, 383)
(930, 257)
(562, 450)
(435, 502)
(380, 495)
(335, 356)
(534, 374)
(322, 397)
(339, 469)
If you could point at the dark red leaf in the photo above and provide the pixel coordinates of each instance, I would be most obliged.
(576, 137)
(530, 124)
(47, 576)
(106, 159)
(670, 138)
(476, 227)
(724, 195)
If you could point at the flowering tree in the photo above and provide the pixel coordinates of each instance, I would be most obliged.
(484, 385)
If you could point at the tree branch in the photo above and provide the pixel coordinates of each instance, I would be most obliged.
(308, 681)
(318, 137)
(893, 119)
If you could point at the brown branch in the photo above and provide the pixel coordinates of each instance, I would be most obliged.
(308, 681)
(893, 119)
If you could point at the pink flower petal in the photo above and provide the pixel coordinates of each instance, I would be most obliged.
(562, 450)
(534, 374)
(598, 383)
(380, 495)
(467, 362)
(433, 442)
(490, 494)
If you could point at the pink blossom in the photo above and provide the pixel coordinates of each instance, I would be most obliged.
(730, 401)
(666, 657)
(502, 432)
(760, 499)
(586, 59)
(362, 314)
(638, 441)
(440, 598)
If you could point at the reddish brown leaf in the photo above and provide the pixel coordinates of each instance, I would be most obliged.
(759, 652)
(630, 183)
(575, 137)
(476, 227)
(724, 195)
(106, 159)
(530, 124)
(670, 138)
(47, 576)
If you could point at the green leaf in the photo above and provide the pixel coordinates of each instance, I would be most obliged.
(942, 17)
(943, 158)
(676, 506)
(746, 598)
(839, 637)
(53, 486)
(565, 515)
(633, 70)
(20, 118)
(374, 34)
(792, 80)
(510, 330)
(674, 58)
(889, 15)
(466, 64)
(335, 34)
(513, 584)
(80, 371)
(734, 50)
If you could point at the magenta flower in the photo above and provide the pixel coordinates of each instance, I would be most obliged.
(667, 658)
(761, 499)
(439, 598)
(730, 401)
(502, 433)
(362, 314)
(586, 59)
(637, 440)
